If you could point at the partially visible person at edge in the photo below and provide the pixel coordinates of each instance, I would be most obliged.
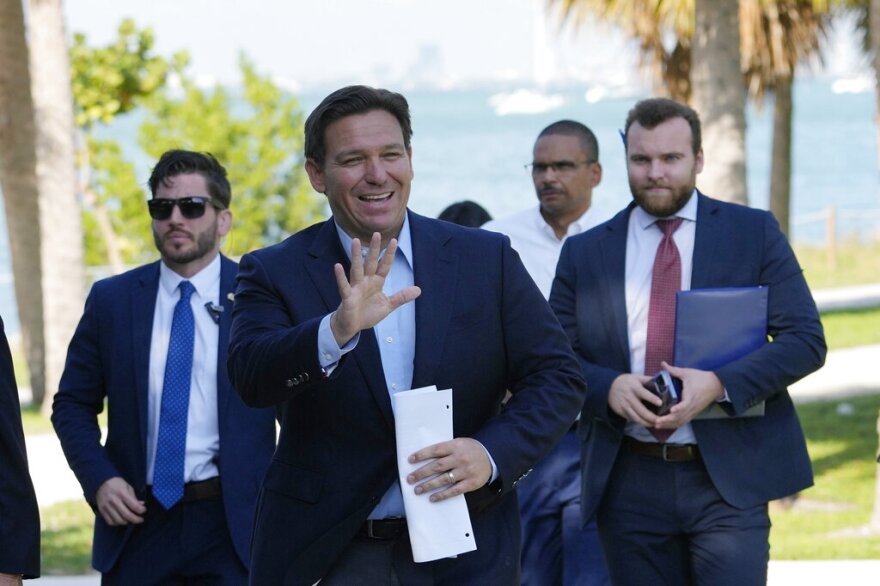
(19, 514)
(565, 168)
(681, 500)
(340, 316)
(175, 485)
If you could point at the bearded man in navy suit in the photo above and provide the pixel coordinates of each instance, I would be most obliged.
(146, 531)
(690, 507)
(328, 334)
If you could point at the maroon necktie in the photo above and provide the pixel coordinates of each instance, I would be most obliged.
(665, 281)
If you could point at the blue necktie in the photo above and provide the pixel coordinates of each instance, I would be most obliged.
(171, 443)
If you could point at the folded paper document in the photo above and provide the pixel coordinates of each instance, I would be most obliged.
(423, 417)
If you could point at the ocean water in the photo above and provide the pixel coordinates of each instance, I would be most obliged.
(464, 149)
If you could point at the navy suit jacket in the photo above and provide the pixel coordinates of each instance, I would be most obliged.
(19, 515)
(482, 327)
(750, 460)
(109, 358)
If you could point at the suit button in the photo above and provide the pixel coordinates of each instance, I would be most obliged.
(290, 383)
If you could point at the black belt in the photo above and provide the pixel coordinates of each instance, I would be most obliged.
(665, 452)
(197, 491)
(383, 529)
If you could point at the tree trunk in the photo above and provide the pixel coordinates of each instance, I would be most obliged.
(60, 213)
(874, 19)
(780, 170)
(720, 98)
(18, 178)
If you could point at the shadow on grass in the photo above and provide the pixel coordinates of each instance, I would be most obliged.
(840, 432)
(67, 538)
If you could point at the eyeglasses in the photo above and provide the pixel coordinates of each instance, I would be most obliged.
(190, 207)
(556, 166)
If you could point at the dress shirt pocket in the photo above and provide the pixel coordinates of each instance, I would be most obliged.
(293, 481)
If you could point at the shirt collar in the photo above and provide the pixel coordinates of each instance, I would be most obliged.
(404, 242)
(582, 224)
(202, 281)
(688, 212)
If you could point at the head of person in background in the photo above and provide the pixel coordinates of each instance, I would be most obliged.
(664, 154)
(565, 168)
(190, 209)
(465, 213)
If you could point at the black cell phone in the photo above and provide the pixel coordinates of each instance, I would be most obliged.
(668, 388)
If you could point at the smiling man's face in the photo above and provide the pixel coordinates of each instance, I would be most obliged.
(366, 175)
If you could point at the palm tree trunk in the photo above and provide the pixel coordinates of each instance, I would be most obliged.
(780, 170)
(719, 96)
(60, 214)
(874, 19)
(18, 178)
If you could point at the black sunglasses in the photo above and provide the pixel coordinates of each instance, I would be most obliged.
(190, 207)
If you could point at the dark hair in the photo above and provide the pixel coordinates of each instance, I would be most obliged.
(465, 213)
(348, 101)
(654, 111)
(589, 144)
(177, 162)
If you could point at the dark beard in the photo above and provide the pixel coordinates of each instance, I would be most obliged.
(204, 246)
(666, 207)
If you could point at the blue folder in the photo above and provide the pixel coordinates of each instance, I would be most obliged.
(714, 327)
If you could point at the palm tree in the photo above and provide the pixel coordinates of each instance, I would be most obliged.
(720, 98)
(781, 35)
(37, 174)
(775, 35)
(61, 233)
(18, 177)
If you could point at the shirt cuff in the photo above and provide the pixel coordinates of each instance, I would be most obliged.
(491, 461)
(329, 352)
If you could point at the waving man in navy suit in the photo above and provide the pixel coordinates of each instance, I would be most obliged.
(328, 334)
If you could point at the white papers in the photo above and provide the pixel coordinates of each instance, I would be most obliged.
(423, 417)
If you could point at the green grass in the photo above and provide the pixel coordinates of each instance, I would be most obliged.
(67, 538)
(847, 329)
(857, 264)
(843, 450)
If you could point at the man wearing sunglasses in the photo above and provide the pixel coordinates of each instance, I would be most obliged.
(175, 485)
(565, 169)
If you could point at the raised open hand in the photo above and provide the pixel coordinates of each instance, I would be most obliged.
(364, 304)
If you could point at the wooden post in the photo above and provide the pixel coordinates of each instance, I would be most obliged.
(831, 238)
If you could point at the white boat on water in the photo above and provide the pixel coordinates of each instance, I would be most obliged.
(524, 101)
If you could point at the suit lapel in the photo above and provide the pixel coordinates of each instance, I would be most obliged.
(436, 272)
(706, 237)
(228, 270)
(325, 251)
(143, 305)
(613, 253)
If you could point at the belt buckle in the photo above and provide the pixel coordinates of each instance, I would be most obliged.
(665, 452)
(370, 533)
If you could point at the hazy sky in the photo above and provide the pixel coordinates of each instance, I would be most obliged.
(327, 41)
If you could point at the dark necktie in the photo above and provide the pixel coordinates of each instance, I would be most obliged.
(171, 443)
(665, 281)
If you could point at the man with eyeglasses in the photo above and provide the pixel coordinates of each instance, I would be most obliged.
(175, 484)
(565, 168)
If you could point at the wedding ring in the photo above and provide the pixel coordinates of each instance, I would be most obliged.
(451, 477)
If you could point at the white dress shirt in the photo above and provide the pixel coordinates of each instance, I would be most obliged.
(642, 239)
(536, 242)
(202, 431)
